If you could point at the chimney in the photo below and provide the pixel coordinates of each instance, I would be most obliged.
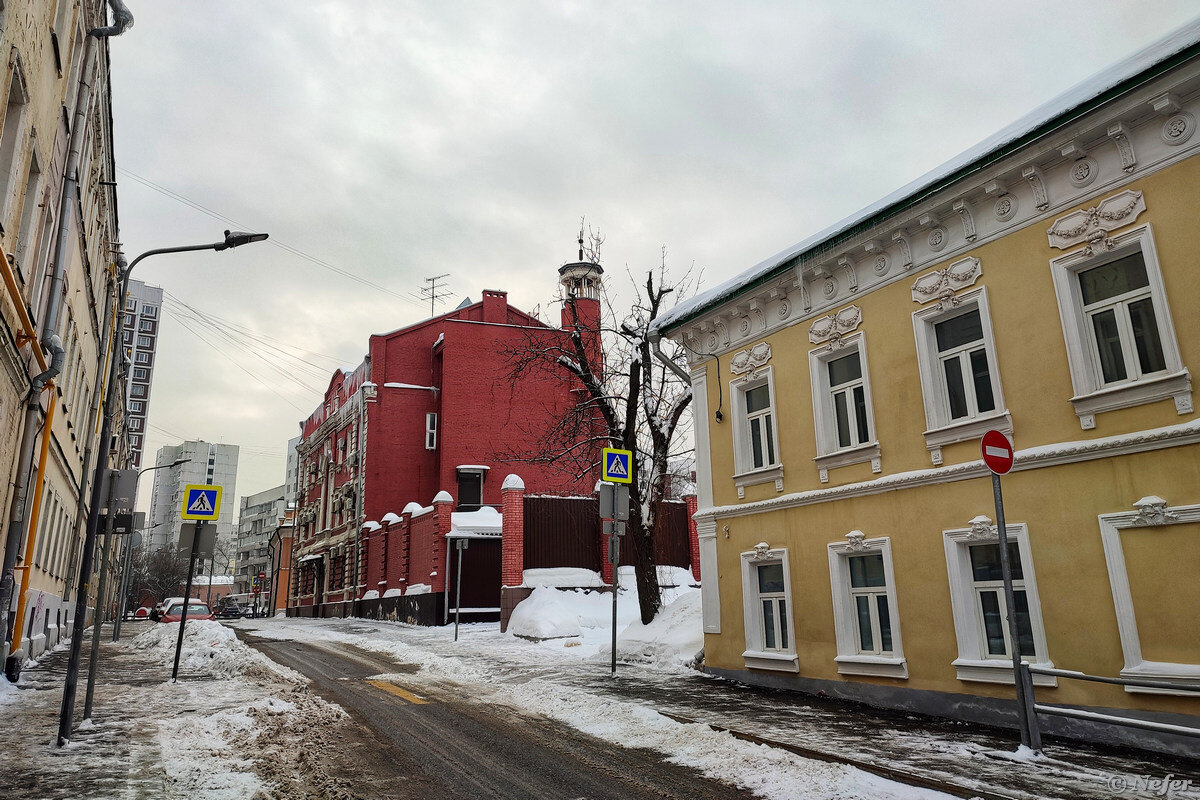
(495, 306)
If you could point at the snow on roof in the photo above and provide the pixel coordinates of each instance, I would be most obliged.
(413, 508)
(477, 467)
(486, 523)
(1034, 123)
(391, 519)
(372, 526)
(408, 386)
(443, 497)
(512, 481)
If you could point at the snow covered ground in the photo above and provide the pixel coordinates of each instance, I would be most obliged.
(226, 730)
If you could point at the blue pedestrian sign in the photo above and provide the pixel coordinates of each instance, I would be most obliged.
(201, 502)
(617, 465)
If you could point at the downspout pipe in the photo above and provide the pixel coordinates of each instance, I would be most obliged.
(655, 340)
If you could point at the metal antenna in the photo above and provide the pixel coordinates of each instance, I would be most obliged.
(431, 291)
(581, 243)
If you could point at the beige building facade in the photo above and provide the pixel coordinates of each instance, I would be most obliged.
(1043, 285)
(47, 56)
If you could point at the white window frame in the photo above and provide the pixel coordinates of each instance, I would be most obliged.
(973, 662)
(849, 660)
(746, 474)
(144, 341)
(756, 655)
(1151, 511)
(940, 429)
(431, 430)
(1091, 395)
(830, 454)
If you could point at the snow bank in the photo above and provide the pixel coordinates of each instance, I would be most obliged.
(393, 592)
(8, 691)
(546, 614)
(676, 576)
(672, 638)
(208, 647)
(419, 588)
(570, 577)
(371, 594)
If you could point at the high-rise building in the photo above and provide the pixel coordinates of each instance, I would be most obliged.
(258, 518)
(143, 310)
(291, 483)
(207, 464)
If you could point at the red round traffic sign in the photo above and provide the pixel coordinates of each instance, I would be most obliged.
(997, 452)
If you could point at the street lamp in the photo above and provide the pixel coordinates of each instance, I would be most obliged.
(67, 711)
(129, 548)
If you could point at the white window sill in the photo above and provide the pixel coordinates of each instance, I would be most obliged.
(987, 670)
(963, 431)
(875, 666)
(1188, 674)
(844, 458)
(764, 659)
(1177, 385)
(755, 477)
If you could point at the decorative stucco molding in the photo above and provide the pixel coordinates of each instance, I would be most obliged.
(968, 222)
(1092, 225)
(1037, 182)
(943, 283)
(1120, 136)
(831, 328)
(747, 362)
(900, 237)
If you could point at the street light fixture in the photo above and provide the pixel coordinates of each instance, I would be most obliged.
(67, 711)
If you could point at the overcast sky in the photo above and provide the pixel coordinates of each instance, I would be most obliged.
(396, 141)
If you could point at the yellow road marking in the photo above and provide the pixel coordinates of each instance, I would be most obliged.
(404, 694)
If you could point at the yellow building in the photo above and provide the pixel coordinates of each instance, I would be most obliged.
(1043, 284)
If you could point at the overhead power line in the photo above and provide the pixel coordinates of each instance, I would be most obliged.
(149, 184)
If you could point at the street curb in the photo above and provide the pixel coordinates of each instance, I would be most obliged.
(899, 775)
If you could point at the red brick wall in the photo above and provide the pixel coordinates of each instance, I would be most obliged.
(693, 536)
(513, 538)
(422, 556)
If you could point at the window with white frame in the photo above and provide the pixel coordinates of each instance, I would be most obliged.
(149, 311)
(978, 603)
(866, 620)
(960, 380)
(142, 358)
(767, 606)
(1117, 326)
(144, 341)
(754, 429)
(842, 409)
(431, 431)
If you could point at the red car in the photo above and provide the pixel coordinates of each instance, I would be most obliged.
(195, 610)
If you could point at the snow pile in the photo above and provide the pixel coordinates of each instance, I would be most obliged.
(569, 577)
(546, 614)
(673, 637)
(676, 576)
(371, 594)
(208, 647)
(8, 691)
(393, 592)
(419, 588)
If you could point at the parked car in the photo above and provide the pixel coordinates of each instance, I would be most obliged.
(195, 610)
(142, 613)
(231, 611)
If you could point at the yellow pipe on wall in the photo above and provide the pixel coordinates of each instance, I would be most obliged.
(28, 332)
(31, 539)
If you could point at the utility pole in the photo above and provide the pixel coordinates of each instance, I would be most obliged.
(432, 291)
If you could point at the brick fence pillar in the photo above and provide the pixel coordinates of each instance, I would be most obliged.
(443, 507)
(692, 504)
(512, 543)
(606, 567)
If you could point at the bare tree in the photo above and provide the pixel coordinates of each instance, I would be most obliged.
(627, 398)
(156, 574)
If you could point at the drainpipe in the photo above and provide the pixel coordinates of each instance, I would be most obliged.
(122, 20)
(655, 339)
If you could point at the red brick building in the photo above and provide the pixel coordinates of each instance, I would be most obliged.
(428, 426)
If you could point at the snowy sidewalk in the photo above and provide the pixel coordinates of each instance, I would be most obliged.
(569, 680)
(227, 730)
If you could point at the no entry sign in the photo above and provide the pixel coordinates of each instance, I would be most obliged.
(997, 452)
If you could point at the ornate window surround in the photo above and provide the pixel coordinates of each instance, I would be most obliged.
(849, 660)
(829, 455)
(971, 665)
(744, 474)
(940, 429)
(1151, 511)
(755, 656)
(1090, 398)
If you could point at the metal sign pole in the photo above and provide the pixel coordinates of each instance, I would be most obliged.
(187, 597)
(1030, 734)
(614, 556)
(460, 544)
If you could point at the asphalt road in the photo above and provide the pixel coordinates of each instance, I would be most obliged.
(414, 741)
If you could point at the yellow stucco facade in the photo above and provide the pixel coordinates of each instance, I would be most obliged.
(1112, 589)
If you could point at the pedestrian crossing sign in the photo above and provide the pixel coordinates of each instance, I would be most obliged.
(201, 502)
(616, 465)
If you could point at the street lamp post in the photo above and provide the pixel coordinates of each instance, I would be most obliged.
(67, 711)
(124, 584)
